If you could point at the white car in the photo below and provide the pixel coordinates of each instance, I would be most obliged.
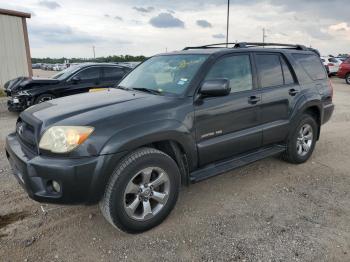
(332, 64)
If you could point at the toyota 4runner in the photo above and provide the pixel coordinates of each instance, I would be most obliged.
(177, 118)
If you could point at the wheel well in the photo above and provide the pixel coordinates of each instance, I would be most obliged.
(314, 111)
(177, 153)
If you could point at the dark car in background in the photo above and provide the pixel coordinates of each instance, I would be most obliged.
(24, 92)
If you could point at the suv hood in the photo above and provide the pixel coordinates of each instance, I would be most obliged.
(85, 108)
(23, 83)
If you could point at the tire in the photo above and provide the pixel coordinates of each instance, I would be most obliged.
(297, 140)
(43, 98)
(347, 78)
(124, 205)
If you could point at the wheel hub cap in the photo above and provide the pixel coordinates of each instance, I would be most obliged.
(146, 193)
(304, 140)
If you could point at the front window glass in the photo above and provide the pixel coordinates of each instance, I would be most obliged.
(65, 73)
(165, 74)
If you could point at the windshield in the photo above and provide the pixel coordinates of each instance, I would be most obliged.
(65, 73)
(165, 74)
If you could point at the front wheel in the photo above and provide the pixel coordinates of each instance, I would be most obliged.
(347, 78)
(302, 140)
(44, 98)
(142, 191)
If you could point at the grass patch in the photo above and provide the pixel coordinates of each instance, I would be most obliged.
(2, 93)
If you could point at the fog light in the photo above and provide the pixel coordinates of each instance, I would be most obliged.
(56, 186)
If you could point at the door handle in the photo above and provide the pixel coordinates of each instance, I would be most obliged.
(253, 99)
(293, 92)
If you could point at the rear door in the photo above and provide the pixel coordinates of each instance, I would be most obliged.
(228, 125)
(111, 75)
(279, 90)
(84, 80)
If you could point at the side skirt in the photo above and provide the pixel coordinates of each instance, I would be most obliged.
(236, 162)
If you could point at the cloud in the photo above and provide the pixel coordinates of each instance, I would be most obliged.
(219, 36)
(118, 18)
(107, 16)
(49, 4)
(58, 34)
(144, 9)
(166, 20)
(341, 27)
(203, 23)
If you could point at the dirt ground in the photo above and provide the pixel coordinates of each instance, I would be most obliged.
(267, 211)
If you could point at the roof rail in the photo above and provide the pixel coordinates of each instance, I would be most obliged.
(254, 44)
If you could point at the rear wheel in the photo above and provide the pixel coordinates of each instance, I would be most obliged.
(142, 191)
(302, 140)
(44, 98)
(347, 78)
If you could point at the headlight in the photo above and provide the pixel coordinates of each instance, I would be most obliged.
(63, 139)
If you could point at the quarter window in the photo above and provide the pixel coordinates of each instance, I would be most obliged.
(236, 69)
(312, 65)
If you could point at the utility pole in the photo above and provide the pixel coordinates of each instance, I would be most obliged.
(228, 21)
(264, 35)
(93, 50)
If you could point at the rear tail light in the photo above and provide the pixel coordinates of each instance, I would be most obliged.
(330, 64)
(330, 86)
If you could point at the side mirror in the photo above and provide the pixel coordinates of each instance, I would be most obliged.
(215, 87)
(75, 79)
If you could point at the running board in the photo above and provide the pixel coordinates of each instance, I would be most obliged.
(227, 165)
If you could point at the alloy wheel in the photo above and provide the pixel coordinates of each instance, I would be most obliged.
(146, 193)
(304, 140)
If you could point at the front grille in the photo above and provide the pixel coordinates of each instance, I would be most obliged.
(26, 133)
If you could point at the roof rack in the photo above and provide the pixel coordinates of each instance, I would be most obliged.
(253, 44)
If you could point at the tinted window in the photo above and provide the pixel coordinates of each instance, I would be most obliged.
(237, 69)
(89, 73)
(113, 72)
(312, 65)
(288, 77)
(270, 70)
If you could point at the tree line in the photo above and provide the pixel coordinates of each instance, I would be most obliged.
(107, 59)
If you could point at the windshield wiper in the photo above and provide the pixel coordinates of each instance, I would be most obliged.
(123, 88)
(148, 90)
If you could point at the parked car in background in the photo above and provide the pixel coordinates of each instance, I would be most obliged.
(344, 71)
(179, 117)
(24, 92)
(332, 64)
(59, 67)
(36, 66)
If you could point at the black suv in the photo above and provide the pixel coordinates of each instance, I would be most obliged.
(24, 92)
(177, 118)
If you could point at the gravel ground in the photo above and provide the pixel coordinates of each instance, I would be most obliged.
(267, 211)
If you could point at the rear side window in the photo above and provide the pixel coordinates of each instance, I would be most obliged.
(113, 72)
(270, 70)
(89, 73)
(235, 68)
(287, 74)
(332, 60)
(312, 65)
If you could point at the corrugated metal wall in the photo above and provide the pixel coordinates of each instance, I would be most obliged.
(13, 58)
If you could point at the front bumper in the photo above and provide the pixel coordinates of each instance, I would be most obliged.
(18, 104)
(82, 180)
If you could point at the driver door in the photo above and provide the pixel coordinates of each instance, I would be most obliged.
(229, 125)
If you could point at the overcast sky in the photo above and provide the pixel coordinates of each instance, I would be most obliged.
(70, 28)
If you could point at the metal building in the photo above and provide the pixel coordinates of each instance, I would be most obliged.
(15, 59)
